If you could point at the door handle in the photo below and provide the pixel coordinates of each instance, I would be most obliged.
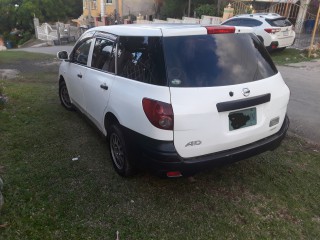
(104, 86)
(79, 75)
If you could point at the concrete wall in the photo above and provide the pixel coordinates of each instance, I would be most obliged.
(145, 7)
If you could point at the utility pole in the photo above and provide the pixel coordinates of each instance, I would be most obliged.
(189, 6)
(314, 31)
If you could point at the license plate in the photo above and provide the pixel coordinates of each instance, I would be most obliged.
(243, 118)
(286, 33)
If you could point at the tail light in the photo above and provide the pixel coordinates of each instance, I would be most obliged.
(220, 29)
(272, 30)
(160, 114)
(174, 174)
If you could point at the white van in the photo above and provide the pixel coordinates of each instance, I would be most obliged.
(176, 98)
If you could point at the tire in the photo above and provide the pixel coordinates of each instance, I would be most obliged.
(64, 96)
(281, 49)
(120, 153)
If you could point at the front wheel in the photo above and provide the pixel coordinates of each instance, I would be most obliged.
(64, 96)
(120, 153)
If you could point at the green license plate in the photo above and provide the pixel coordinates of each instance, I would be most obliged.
(242, 119)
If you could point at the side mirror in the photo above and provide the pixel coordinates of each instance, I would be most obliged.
(63, 55)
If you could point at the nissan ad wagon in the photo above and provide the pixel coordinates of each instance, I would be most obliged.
(176, 99)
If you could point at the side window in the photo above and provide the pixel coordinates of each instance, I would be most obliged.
(250, 23)
(81, 52)
(233, 22)
(103, 55)
(141, 59)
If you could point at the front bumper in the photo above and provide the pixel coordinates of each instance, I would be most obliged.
(162, 157)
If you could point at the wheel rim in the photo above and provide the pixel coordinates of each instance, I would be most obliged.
(117, 151)
(65, 96)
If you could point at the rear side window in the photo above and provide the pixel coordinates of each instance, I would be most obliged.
(250, 23)
(279, 22)
(233, 22)
(103, 55)
(141, 59)
(216, 60)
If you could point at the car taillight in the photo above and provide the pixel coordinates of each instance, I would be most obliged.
(272, 30)
(160, 114)
(220, 29)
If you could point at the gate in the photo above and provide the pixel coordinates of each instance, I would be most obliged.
(240, 8)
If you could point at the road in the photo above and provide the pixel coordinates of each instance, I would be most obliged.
(303, 80)
(48, 50)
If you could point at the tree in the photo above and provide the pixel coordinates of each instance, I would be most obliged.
(20, 13)
(179, 8)
(206, 9)
(7, 16)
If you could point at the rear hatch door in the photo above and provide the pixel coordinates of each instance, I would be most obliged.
(224, 92)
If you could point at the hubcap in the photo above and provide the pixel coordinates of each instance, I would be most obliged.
(117, 151)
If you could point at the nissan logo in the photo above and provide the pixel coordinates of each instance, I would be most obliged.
(246, 92)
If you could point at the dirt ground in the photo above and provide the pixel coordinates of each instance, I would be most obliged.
(12, 70)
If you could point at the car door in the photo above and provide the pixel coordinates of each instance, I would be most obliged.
(98, 84)
(78, 67)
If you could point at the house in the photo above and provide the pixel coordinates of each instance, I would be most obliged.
(106, 12)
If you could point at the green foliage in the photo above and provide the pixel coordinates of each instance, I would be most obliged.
(25, 36)
(206, 9)
(19, 13)
(179, 8)
(174, 8)
(291, 55)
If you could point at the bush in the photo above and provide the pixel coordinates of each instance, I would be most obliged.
(206, 9)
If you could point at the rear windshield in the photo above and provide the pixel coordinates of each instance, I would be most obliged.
(216, 60)
(279, 22)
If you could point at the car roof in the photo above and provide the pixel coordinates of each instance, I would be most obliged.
(260, 16)
(159, 29)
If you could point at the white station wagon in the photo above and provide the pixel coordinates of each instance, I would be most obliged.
(176, 99)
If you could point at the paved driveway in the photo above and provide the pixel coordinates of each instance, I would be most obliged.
(303, 80)
(48, 50)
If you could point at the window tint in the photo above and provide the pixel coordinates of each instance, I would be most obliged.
(81, 52)
(250, 23)
(233, 22)
(279, 22)
(216, 60)
(141, 59)
(103, 55)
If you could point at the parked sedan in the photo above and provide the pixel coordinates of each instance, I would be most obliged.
(273, 30)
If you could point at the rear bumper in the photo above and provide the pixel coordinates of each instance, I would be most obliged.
(162, 157)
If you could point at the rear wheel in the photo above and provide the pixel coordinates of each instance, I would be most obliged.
(64, 96)
(120, 154)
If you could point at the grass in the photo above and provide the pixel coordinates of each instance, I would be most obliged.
(48, 196)
(291, 55)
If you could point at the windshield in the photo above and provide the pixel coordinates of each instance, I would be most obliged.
(216, 60)
(279, 22)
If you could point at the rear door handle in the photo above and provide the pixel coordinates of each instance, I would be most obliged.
(79, 75)
(104, 86)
